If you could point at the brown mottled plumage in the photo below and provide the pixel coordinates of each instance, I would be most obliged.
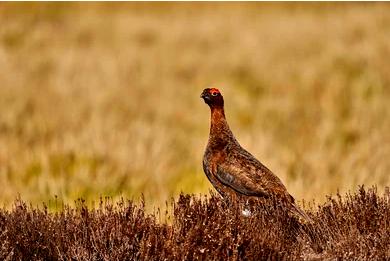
(232, 170)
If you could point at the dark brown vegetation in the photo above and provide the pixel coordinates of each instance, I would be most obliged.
(355, 226)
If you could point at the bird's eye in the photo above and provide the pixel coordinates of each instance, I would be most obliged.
(214, 93)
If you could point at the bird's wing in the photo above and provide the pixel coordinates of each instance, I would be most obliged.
(248, 176)
(240, 179)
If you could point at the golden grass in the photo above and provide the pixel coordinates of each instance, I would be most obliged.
(103, 99)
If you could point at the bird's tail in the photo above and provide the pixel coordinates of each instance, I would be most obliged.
(310, 229)
(300, 214)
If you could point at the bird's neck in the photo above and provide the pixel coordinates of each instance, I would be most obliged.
(219, 128)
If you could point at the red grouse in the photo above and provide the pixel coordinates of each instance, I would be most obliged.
(233, 171)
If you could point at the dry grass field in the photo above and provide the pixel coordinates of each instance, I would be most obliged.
(103, 99)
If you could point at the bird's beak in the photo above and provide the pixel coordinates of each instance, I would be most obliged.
(205, 96)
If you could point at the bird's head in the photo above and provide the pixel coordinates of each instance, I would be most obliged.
(212, 97)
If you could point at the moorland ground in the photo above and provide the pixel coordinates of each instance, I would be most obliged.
(348, 227)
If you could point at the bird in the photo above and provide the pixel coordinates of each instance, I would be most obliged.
(234, 172)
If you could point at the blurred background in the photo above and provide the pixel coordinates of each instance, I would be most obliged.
(103, 99)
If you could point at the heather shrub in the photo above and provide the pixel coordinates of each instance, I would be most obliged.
(354, 226)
